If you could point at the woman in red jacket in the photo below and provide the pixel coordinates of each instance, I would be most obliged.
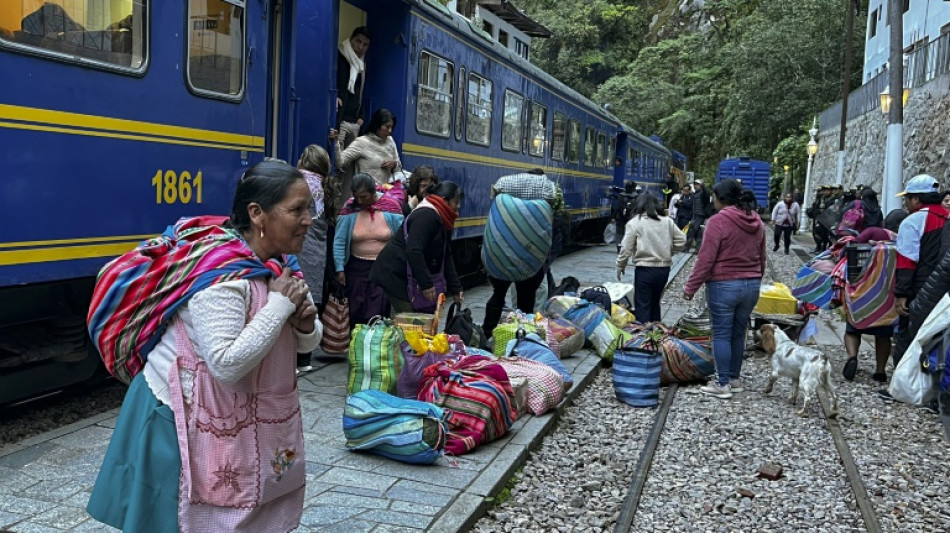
(731, 263)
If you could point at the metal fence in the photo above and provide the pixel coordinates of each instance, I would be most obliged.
(923, 65)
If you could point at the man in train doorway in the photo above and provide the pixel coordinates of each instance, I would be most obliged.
(702, 208)
(350, 78)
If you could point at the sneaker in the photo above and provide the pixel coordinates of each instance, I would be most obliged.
(723, 392)
(930, 407)
(304, 368)
(879, 377)
(735, 385)
(885, 395)
(850, 368)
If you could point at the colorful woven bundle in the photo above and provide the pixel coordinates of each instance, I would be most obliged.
(409, 431)
(137, 293)
(870, 300)
(517, 237)
(813, 286)
(375, 358)
(545, 385)
(476, 395)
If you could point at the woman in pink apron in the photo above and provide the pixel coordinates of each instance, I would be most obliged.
(209, 437)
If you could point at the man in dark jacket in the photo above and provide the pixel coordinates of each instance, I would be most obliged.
(702, 209)
(918, 248)
(350, 77)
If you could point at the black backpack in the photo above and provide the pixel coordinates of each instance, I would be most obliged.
(461, 323)
(598, 295)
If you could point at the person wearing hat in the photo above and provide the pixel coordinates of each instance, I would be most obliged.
(702, 209)
(918, 249)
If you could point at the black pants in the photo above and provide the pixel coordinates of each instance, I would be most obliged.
(525, 291)
(787, 232)
(695, 233)
(648, 285)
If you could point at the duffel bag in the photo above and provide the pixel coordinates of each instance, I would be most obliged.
(530, 346)
(374, 356)
(414, 364)
(460, 322)
(409, 431)
(517, 237)
(476, 395)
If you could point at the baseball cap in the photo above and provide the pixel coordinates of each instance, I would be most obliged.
(920, 184)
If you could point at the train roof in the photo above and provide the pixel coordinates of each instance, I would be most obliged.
(465, 27)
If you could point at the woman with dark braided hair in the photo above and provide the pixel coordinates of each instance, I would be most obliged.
(731, 262)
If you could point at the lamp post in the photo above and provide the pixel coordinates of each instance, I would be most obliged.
(812, 150)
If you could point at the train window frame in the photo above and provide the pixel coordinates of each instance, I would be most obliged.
(612, 151)
(517, 134)
(485, 106)
(205, 92)
(460, 105)
(144, 45)
(590, 146)
(574, 129)
(601, 156)
(559, 153)
(537, 149)
(451, 95)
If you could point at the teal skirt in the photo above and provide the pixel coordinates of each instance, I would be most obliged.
(137, 487)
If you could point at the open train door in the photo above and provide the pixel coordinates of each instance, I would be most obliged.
(282, 114)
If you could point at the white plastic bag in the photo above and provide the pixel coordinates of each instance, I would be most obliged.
(909, 383)
(610, 232)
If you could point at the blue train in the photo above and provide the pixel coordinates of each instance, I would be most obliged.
(120, 116)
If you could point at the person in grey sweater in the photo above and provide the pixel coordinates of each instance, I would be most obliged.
(650, 239)
(785, 219)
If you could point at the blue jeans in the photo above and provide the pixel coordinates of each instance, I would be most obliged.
(730, 305)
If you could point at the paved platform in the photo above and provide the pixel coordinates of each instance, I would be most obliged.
(45, 481)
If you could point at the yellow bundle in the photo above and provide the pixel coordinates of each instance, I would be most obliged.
(422, 343)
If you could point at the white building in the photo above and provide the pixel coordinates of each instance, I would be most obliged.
(503, 21)
(925, 21)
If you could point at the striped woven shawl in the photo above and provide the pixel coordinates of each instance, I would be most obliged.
(138, 292)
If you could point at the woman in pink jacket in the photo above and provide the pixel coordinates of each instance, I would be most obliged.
(731, 263)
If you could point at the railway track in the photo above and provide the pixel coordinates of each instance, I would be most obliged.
(633, 496)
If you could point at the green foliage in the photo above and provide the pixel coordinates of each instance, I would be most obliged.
(739, 77)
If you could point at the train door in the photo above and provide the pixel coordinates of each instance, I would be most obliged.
(281, 127)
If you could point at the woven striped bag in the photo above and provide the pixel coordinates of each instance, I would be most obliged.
(636, 376)
(476, 394)
(375, 359)
(517, 237)
(870, 299)
(409, 431)
(336, 324)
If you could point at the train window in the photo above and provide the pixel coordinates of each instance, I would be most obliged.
(589, 148)
(612, 151)
(538, 129)
(601, 150)
(215, 30)
(511, 122)
(480, 97)
(559, 137)
(574, 141)
(434, 101)
(460, 106)
(109, 33)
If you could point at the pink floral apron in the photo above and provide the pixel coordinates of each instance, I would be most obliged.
(241, 445)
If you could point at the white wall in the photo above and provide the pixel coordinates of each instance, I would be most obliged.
(922, 21)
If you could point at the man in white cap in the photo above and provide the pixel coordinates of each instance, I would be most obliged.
(918, 248)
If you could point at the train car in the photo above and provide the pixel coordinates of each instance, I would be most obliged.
(118, 117)
(121, 116)
(754, 175)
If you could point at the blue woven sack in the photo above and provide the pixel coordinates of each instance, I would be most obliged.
(517, 237)
(409, 431)
(637, 377)
(587, 316)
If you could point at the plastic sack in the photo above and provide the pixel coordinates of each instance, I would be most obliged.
(910, 384)
(610, 233)
(776, 299)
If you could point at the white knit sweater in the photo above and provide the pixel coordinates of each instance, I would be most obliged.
(650, 242)
(215, 321)
(367, 153)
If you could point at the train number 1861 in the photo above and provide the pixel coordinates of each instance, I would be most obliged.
(181, 188)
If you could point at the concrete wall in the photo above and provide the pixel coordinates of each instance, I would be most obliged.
(926, 142)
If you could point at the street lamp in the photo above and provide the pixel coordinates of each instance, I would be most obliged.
(812, 149)
(886, 99)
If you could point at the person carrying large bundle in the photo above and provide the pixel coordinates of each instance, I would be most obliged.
(517, 240)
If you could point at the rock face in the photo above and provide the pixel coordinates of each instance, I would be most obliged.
(926, 142)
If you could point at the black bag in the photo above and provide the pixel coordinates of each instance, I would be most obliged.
(568, 284)
(460, 322)
(598, 295)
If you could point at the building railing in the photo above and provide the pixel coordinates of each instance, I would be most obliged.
(923, 66)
